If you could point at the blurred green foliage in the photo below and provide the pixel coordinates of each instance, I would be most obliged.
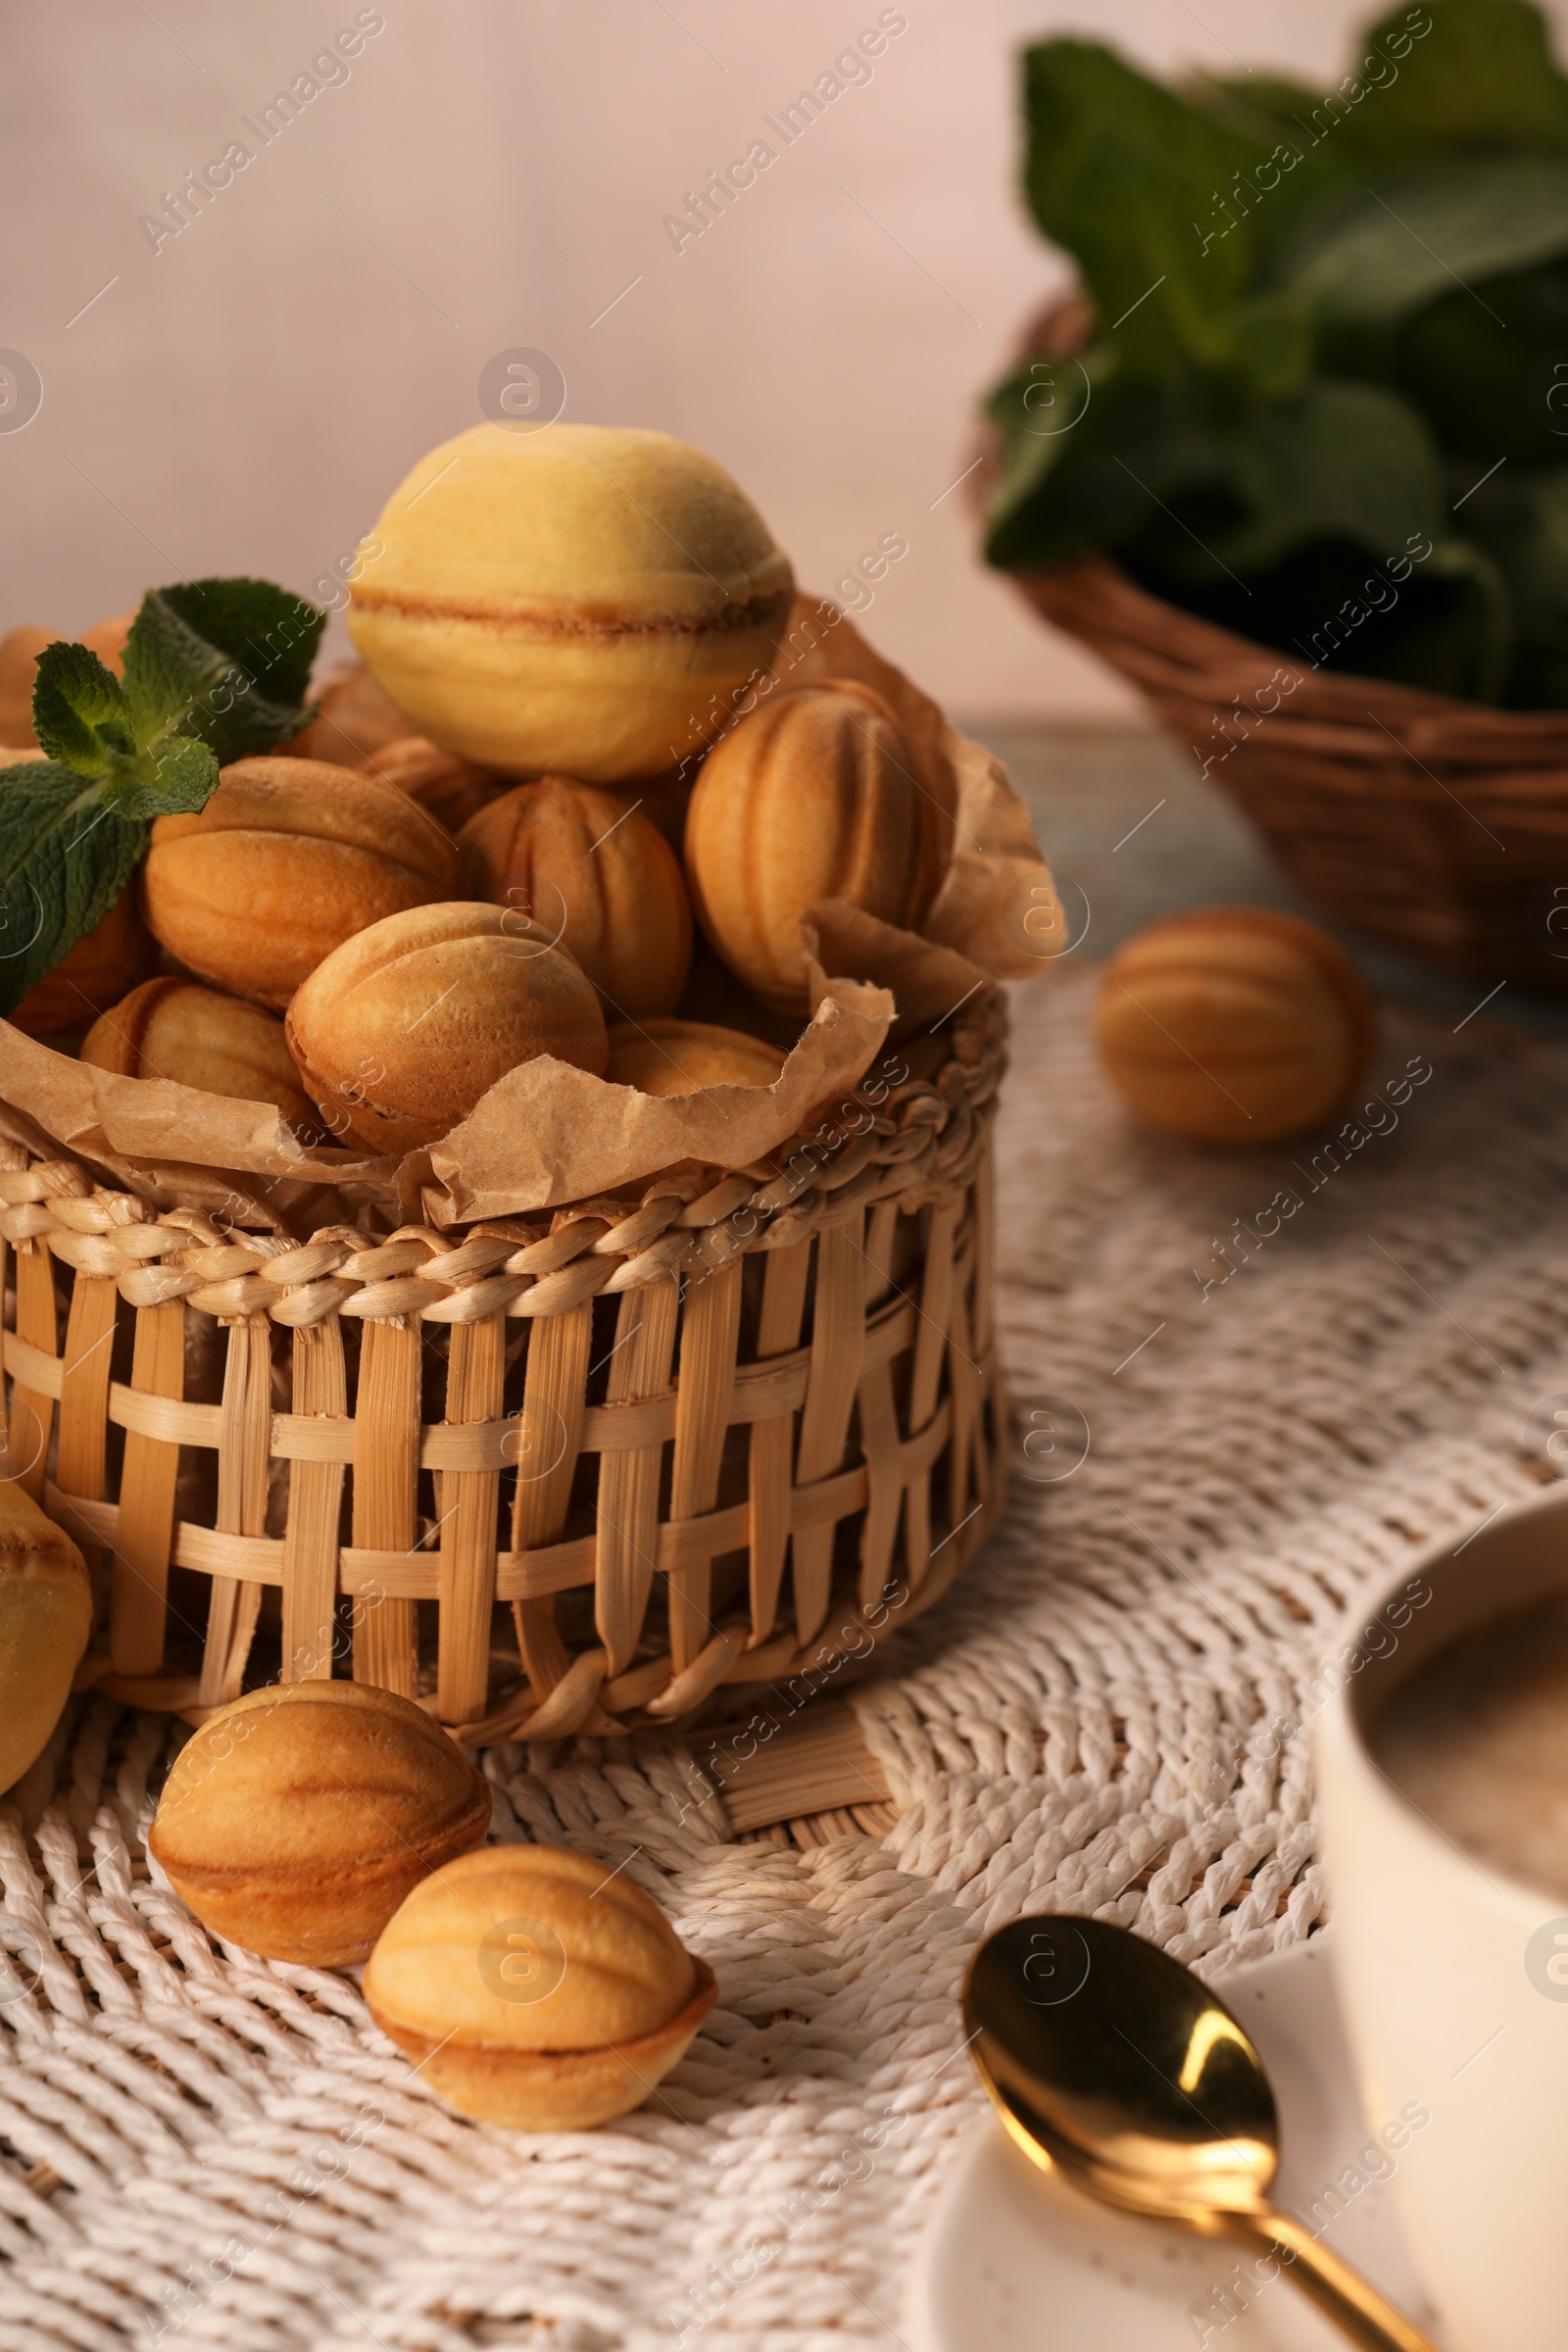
(1325, 401)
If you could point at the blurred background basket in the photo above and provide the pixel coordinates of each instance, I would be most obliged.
(554, 1476)
(1439, 824)
(1433, 822)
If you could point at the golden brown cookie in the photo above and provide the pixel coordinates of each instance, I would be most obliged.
(679, 1057)
(90, 976)
(178, 1029)
(594, 875)
(402, 1031)
(536, 1987)
(1234, 1025)
(449, 789)
(297, 1819)
(813, 797)
(45, 1618)
(288, 859)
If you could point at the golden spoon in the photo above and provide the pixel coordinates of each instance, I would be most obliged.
(1106, 2058)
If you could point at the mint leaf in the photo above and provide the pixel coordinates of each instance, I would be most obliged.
(1483, 76)
(1328, 328)
(1522, 521)
(1476, 374)
(179, 779)
(168, 669)
(1223, 493)
(64, 858)
(1120, 171)
(224, 661)
(1407, 241)
(213, 670)
(272, 636)
(83, 719)
(80, 713)
(1340, 461)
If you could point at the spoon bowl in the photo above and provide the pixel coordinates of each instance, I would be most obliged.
(1100, 2049)
(1110, 2062)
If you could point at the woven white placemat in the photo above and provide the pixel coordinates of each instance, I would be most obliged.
(1108, 1713)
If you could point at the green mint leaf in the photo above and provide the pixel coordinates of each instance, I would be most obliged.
(1521, 520)
(1410, 240)
(79, 713)
(1127, 175)
(224, 661)
(1324, 328)
(213, 670)
(64, 858)
(1344, 462)
(180, 777)
(1483, 76)
(272, 635)
(167, 668)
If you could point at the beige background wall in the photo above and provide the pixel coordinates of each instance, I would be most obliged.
(492, 173)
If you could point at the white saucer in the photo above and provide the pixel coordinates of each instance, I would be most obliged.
(1016, 2261)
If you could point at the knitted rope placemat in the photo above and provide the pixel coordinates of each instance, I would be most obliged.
(1110, 1713)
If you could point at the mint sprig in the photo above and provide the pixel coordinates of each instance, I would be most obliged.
(214, 669)
(1327, 325)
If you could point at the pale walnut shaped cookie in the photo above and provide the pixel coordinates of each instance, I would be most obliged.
(1234, 1025)
(813, 797)
(597, 877)
(537, 1989)
(177, 1029)
(288, 859)
(402, 1030)
(297, 1819)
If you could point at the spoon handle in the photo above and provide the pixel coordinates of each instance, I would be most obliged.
(1343, 2296)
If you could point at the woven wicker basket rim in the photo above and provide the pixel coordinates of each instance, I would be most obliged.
(1163, 647)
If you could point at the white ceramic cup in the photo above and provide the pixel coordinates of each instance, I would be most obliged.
(1454, 1978)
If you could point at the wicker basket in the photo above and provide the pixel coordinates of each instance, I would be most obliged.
(1440, 824)
(739, 1428)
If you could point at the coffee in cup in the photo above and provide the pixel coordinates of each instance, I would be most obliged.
(1477, 1739)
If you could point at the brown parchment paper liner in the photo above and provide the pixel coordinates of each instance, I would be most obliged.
(547, 1134)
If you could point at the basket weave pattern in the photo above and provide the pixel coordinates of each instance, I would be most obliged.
(1440, 824)
(672, 1434)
